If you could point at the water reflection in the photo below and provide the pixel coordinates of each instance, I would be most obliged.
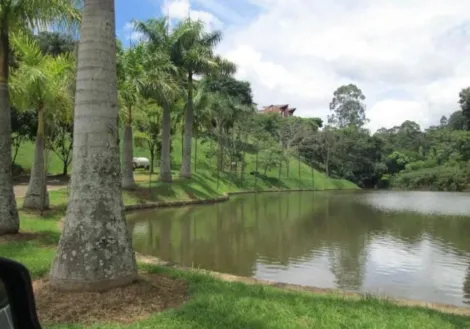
(356, 241)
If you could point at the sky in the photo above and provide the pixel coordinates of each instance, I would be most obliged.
(410, 57)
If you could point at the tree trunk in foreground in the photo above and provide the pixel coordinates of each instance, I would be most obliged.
(128, 182)
(9, 221)
(37, 193)
(185, 171)
(165, 157)
(95, 249)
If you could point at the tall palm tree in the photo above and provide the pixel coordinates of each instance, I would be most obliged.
(194, 54)
(95, 249)
(129, 87)
(18, 15)
(41, 82)
(162, 80)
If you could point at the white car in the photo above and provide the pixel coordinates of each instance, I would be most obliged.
(141, 163)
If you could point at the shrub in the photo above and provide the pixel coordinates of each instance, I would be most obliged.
(441, 178)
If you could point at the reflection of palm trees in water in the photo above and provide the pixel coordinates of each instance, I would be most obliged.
(348, 244)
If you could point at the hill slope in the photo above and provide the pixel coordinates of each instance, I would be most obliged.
(206, 181)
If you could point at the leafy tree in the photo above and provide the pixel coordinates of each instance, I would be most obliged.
(56, 43)
(149, 130)
(348, 107)
(24, 127)
(40, 82)
(464, 101)
(60, 139)
(20, 15)
(231, 87)
(396, 162)
(457, 121)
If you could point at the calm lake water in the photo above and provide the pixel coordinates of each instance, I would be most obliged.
(413, 245)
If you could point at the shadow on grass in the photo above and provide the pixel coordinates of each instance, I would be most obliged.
(157, 191)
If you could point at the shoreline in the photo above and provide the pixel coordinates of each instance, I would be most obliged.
(223, 198)
(444, 308)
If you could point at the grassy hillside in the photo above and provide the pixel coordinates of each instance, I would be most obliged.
(206, 181)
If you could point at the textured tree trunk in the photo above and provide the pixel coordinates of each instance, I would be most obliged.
(152, 159)
(9, 222)
(185, 171)
(95, 249)
(37, 193)
(65, 170)
(220, 160)
(128, 182)
(165, 159)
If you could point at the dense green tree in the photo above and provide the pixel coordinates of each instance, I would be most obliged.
(348, 108)
(457, 121)
(24, 127)
(464, 101)
(56, 43)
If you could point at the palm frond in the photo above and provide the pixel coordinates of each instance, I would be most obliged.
(44, 14)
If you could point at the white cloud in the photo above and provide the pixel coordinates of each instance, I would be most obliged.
(181, 9)
(131, 34)
(299, 52)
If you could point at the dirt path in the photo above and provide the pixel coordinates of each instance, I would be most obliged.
(53, 183)
(20, 189)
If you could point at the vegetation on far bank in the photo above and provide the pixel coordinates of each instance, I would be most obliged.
(206, 183)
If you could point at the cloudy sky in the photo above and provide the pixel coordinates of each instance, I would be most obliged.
(410, 57)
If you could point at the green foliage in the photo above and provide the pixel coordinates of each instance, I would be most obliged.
(464, 101)
(40, 81)
(457, 121)
(441, 178)
(397, 161)
(55, 43)
(348, 107)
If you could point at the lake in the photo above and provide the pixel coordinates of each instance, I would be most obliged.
(413, 245)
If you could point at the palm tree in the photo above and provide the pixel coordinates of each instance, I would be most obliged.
(162, 83)
(129, 87)
(41, 82)
(194, 54)
(16, 16)
(95, 249)
(55, 43)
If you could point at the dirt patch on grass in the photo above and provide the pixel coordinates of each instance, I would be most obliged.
(149, 295)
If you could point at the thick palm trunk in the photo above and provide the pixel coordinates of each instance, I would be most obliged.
(165, 159)
(37, 196)
(95, 249)
(9, 222)
(185, 171)
(128, 182)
